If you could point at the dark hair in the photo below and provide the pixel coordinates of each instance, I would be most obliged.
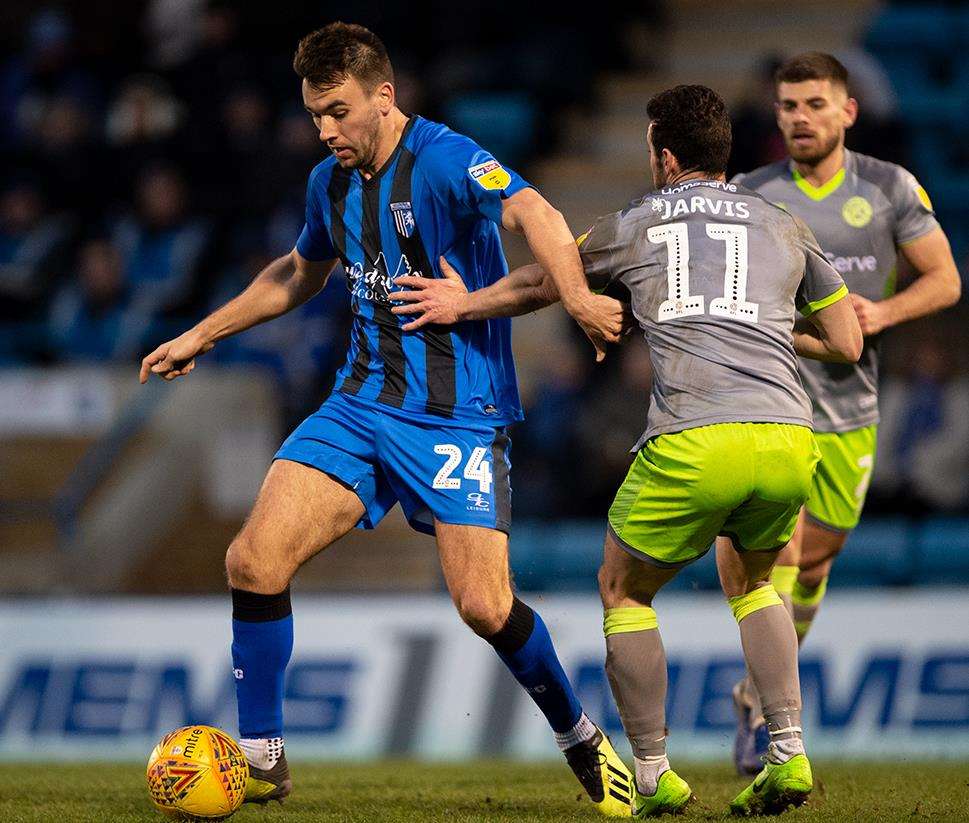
(692, 122)
(812, 65)
(328, 56)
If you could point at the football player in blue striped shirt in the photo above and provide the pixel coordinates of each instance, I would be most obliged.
(416, 417)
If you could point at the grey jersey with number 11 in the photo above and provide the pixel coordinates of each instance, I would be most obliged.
(860, 217)
(715, 273)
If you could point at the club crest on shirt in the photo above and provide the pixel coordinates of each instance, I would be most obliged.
(490, 175)
(403, 218)
(857, 212)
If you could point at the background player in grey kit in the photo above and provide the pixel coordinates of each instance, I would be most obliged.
(715, 273)
(866, 215)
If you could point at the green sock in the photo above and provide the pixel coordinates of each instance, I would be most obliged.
(805, 602)
(783, 578)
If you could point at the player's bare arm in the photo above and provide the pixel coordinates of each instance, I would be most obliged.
(284, 284)
(447, 300)
(832, 334)
(937, 286)
(528, 213)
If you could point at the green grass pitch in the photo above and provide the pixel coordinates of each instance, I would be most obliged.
(389, 792)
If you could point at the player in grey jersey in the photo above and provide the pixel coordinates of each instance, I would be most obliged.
(716, 274)
(866, 214)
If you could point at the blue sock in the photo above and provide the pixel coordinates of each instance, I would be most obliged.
(525, 647)
(262, 642)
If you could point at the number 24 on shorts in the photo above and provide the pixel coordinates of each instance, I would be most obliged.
(477, 468)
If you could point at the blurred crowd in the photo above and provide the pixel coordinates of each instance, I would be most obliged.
(154, 156)
(153, 162)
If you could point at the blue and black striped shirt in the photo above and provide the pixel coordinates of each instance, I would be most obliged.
(438, 194)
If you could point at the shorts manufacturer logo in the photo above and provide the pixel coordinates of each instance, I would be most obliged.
(238, 674)
(490, 175)
(477, 502)
(857, 212)
(403, 218)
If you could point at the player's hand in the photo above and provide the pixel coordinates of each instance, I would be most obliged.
(439, 300)
(174, 358)
(602, 320)
(629, 321)
(872, 315)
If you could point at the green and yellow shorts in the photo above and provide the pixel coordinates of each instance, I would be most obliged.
(841, 481)
(747, 481)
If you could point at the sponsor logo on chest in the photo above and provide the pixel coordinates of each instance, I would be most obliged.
(852, 263)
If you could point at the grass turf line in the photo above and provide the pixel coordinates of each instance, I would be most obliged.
(481, 792)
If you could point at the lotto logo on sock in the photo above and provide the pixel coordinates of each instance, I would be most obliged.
(238, 674)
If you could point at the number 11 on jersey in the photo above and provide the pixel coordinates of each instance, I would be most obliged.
(679, 302)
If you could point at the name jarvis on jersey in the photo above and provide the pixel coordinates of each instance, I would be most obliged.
(700, 205)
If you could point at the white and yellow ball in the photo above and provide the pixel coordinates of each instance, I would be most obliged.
(197, 773)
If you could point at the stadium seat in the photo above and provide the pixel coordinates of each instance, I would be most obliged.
(503, 121)
(942, 551)
(888, 551)
(877, 553)
(919, 46)
(910, 26)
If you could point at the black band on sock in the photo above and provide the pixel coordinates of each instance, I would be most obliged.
(516, 631)
(260, 608)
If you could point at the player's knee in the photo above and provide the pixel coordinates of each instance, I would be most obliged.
(734, 585)
(812, 577)
(611, 587)
(484, 615)
(246, 568)
(818, 565)
(241, 567)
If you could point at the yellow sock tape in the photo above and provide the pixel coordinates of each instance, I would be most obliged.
(628, 619)
(803, 596)
(760, 598)
(783, 578)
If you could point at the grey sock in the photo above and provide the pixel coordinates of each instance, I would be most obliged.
(770, 646)
(636, 666)
(752, 698)
(748, 690)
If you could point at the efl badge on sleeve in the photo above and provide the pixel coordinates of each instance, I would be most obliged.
(490, 175)
(403, 218)
(923, 197)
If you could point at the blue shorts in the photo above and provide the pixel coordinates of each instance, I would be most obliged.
(435, 469)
